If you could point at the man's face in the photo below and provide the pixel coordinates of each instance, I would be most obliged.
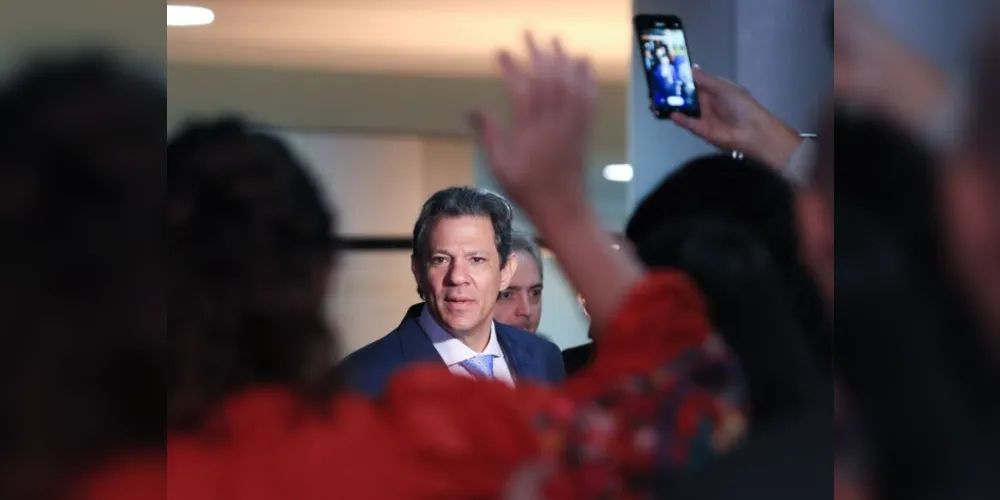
(462, 275)
(520, 303)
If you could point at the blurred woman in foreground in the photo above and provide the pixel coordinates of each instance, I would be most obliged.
(82, 314)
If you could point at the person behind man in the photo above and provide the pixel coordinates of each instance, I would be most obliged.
(462, 259)
(520, 304)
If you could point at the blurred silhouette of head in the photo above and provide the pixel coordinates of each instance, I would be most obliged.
(81, 306)
(743, 191)
(251, 247)
(751, 196)
(887, 177)
(887, 173)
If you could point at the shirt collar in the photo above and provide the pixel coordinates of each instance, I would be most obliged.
(452, 350)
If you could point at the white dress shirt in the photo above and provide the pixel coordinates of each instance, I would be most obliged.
(453, 351)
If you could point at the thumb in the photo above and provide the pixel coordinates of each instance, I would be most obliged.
(489, 136)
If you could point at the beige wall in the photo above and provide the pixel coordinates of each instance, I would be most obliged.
(377, 184)
(369, 103)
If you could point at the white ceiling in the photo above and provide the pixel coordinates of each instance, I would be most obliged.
(427, 37)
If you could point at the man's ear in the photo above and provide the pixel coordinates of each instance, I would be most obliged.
(508, 270)
(417, 275)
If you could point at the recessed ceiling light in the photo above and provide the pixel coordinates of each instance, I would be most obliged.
(618, 172)
(189, 15)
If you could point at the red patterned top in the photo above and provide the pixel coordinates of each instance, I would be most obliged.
(663, 393)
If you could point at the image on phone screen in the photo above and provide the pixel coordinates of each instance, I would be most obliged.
(667, 63)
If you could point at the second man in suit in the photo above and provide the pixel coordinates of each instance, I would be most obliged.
(462, 258)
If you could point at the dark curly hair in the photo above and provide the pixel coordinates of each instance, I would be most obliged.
(251, 243)
(751, 196)
(82, 152)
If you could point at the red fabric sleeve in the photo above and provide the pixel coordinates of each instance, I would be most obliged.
(641, 407)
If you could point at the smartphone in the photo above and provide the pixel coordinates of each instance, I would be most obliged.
(667, 63)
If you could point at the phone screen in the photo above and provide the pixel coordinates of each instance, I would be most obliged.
(667, 62)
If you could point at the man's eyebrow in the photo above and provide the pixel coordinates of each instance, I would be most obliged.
(537, 285)
(512, 288)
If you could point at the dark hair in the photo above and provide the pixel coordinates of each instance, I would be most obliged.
(525, 242)
(251, 244)
(923, 434)
(747, 303)
(891, 180)
(750, 195)
(81, 306)
(465, 201)
(743, 191)
(889, 175)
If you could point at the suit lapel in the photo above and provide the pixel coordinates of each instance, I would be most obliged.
(521, 360)
(415, 344)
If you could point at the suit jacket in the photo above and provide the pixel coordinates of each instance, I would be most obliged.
(368, 369)
(577, 358)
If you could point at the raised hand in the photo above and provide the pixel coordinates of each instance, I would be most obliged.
(731, 119)
(539, 163)
(539, 160)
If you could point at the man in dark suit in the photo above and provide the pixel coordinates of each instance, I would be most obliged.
(462, 259)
